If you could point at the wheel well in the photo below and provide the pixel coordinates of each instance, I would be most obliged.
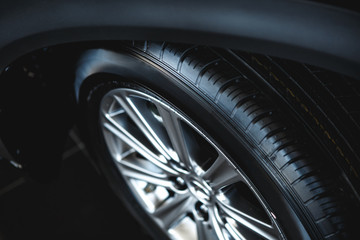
(37, 108)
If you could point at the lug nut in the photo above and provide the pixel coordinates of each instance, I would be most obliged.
(202, 211)
(180, 183)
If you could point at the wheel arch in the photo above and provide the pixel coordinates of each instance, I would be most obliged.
(299, 30)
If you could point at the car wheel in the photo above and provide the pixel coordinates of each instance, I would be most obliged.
(198, 150)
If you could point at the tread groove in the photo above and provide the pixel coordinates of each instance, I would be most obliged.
(183, 57)
(202, 70)
(225, 85)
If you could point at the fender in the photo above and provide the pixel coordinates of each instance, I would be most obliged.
(304, 31)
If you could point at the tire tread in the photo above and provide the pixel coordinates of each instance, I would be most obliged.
(250, 109)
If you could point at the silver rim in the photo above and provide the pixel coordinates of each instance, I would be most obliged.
(178, 175)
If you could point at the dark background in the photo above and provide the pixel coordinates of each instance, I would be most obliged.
(78, 204)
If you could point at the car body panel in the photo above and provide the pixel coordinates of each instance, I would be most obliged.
(299, 30)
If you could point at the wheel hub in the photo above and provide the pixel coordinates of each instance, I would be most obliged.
(200, 190)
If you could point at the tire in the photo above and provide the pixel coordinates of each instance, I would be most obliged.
(192, 138)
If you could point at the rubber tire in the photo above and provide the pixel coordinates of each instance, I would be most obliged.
(305, 189)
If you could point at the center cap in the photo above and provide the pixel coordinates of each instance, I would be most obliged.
(200, 190)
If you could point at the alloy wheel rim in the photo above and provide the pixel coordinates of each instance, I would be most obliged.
(179, 176)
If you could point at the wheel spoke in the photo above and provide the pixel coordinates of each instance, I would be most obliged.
(236, 235)
(255, 225)
(174, 209)
(216, 223)
(202, 229)
(120, 132)
(173, 127)
(147, 128)
(221, 174)
(136, 171)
